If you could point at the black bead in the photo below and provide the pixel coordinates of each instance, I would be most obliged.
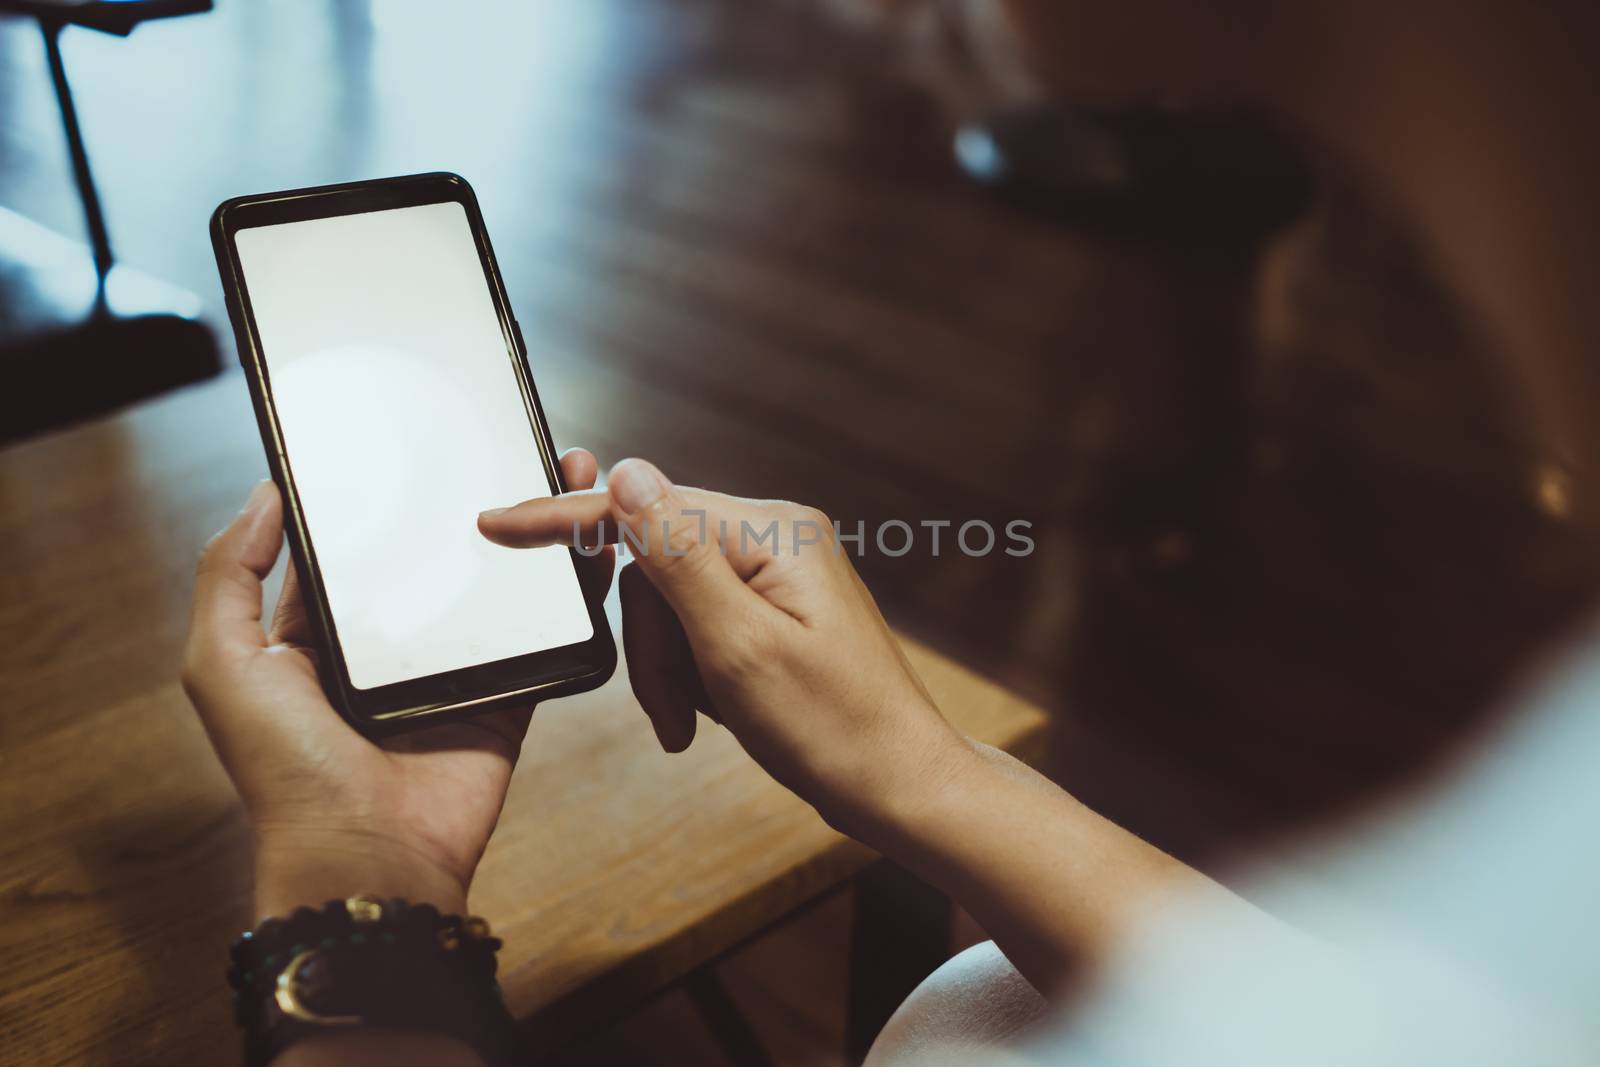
(302, 921)
(269, 933)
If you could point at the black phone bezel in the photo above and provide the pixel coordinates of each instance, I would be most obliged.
(435, 698)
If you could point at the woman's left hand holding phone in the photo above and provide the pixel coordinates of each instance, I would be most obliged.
(336, 814)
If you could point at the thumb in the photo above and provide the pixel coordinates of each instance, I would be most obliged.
(671, 537)
(227, 588)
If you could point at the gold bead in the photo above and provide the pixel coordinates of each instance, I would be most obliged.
(475, 928)
(364, 909)
(449, 940)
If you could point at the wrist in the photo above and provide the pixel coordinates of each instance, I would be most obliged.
(368, 967)
(305, 867)
(896, 794)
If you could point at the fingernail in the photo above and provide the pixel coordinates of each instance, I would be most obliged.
(635, 485)
(492, 512)
(669, 735)
(258, 497)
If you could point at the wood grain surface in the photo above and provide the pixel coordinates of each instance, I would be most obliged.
(124, 859)
(1280, 568)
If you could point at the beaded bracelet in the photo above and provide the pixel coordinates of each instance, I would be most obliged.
(367, 961)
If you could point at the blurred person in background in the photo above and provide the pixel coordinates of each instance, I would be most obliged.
(1452, 928)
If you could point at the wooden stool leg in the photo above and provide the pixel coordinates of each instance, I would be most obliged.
(900, 934)
(732, 1031)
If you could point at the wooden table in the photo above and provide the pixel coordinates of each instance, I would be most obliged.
(124, 860)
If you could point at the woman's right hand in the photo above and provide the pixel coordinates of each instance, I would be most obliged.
(749, 611)
(780, 641)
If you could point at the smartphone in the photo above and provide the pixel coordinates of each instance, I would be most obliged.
(391, 384)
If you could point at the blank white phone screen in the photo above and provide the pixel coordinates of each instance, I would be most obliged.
(402, 418)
